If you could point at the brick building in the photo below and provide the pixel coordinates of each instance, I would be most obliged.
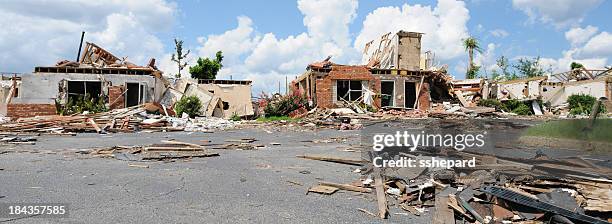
(395, 76)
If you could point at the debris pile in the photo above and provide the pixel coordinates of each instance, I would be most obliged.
(202, 124)
(497, 190)
(167, 150)
(133, 119)
(95, 56)
(119, 120)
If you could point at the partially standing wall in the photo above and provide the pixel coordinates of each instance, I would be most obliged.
(40, 91)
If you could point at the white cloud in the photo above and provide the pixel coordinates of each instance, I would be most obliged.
(54, 27)
(599, 45)
(579, 35)
(563, 64)
(499, 33)
(560, 13)
(267, 59)
(444, 26)
(487, 58)
(594, 54)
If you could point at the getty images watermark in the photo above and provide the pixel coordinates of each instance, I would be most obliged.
(389, 148)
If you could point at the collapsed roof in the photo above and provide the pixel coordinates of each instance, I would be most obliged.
(97, 60)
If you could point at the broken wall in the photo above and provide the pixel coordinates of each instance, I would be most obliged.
(210, 102)
(409, 50)
(326, 86)
(236, 98)
(522, 89)
(399, 88)
(45, 87)
(40, 90)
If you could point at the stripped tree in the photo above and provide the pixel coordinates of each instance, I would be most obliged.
(179, 57)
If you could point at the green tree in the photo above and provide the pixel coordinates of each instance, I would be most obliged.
(473, 73)
(576, 65)
(471, 44)
(179, 57)
(528, 68)
(207, 68)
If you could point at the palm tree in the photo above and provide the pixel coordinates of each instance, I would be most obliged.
(470, 45)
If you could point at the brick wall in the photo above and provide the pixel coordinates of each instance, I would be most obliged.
(424, 98)
(115, 97)
(361, 73)
(29, 110)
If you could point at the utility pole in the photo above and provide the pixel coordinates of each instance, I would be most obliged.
(286, 86)
(80, 46)
(279, 87)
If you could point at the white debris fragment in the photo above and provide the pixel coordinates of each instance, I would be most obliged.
(394, 191)
(201, 123)
(4, 119)
(367, 181)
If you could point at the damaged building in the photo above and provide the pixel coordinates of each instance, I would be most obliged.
(100, 76)
(395, 75)
(98, 73)
(555, 89)
(219, 98)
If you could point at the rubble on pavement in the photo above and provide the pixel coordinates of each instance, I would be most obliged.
(167, 150)
(497, 190)
(132, 119)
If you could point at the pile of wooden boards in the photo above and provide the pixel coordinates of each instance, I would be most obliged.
(167, 150)
(498, 190)
(119, 120)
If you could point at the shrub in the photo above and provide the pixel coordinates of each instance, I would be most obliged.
(283, 105)
(512, 104)
(582, 104)
(522, 109)
(80, 104)
(190, 105)
(235, 117)
(492, 103)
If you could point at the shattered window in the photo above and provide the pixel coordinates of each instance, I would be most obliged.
(349, 90)
(78, 89)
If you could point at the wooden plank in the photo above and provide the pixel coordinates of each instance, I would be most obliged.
(95, 126)
(346, 187)
(443, 214)
(321, 189)
(182, 143)
(164, 148)
(452, 203)
(138, 165)
(333, 159)
(367, 212)
(462, 99)
(380, 196)
(418, 93)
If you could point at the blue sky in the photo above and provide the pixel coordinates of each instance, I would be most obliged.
(268, 40)
(517, 35)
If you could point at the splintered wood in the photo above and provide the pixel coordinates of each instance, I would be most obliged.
(322, 189)
(127, 120)
(381, 197)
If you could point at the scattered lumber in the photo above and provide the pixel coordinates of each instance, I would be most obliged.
(334, 159)
(346, 187)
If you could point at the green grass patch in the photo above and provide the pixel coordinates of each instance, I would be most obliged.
(573, 129)
(276, 118)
